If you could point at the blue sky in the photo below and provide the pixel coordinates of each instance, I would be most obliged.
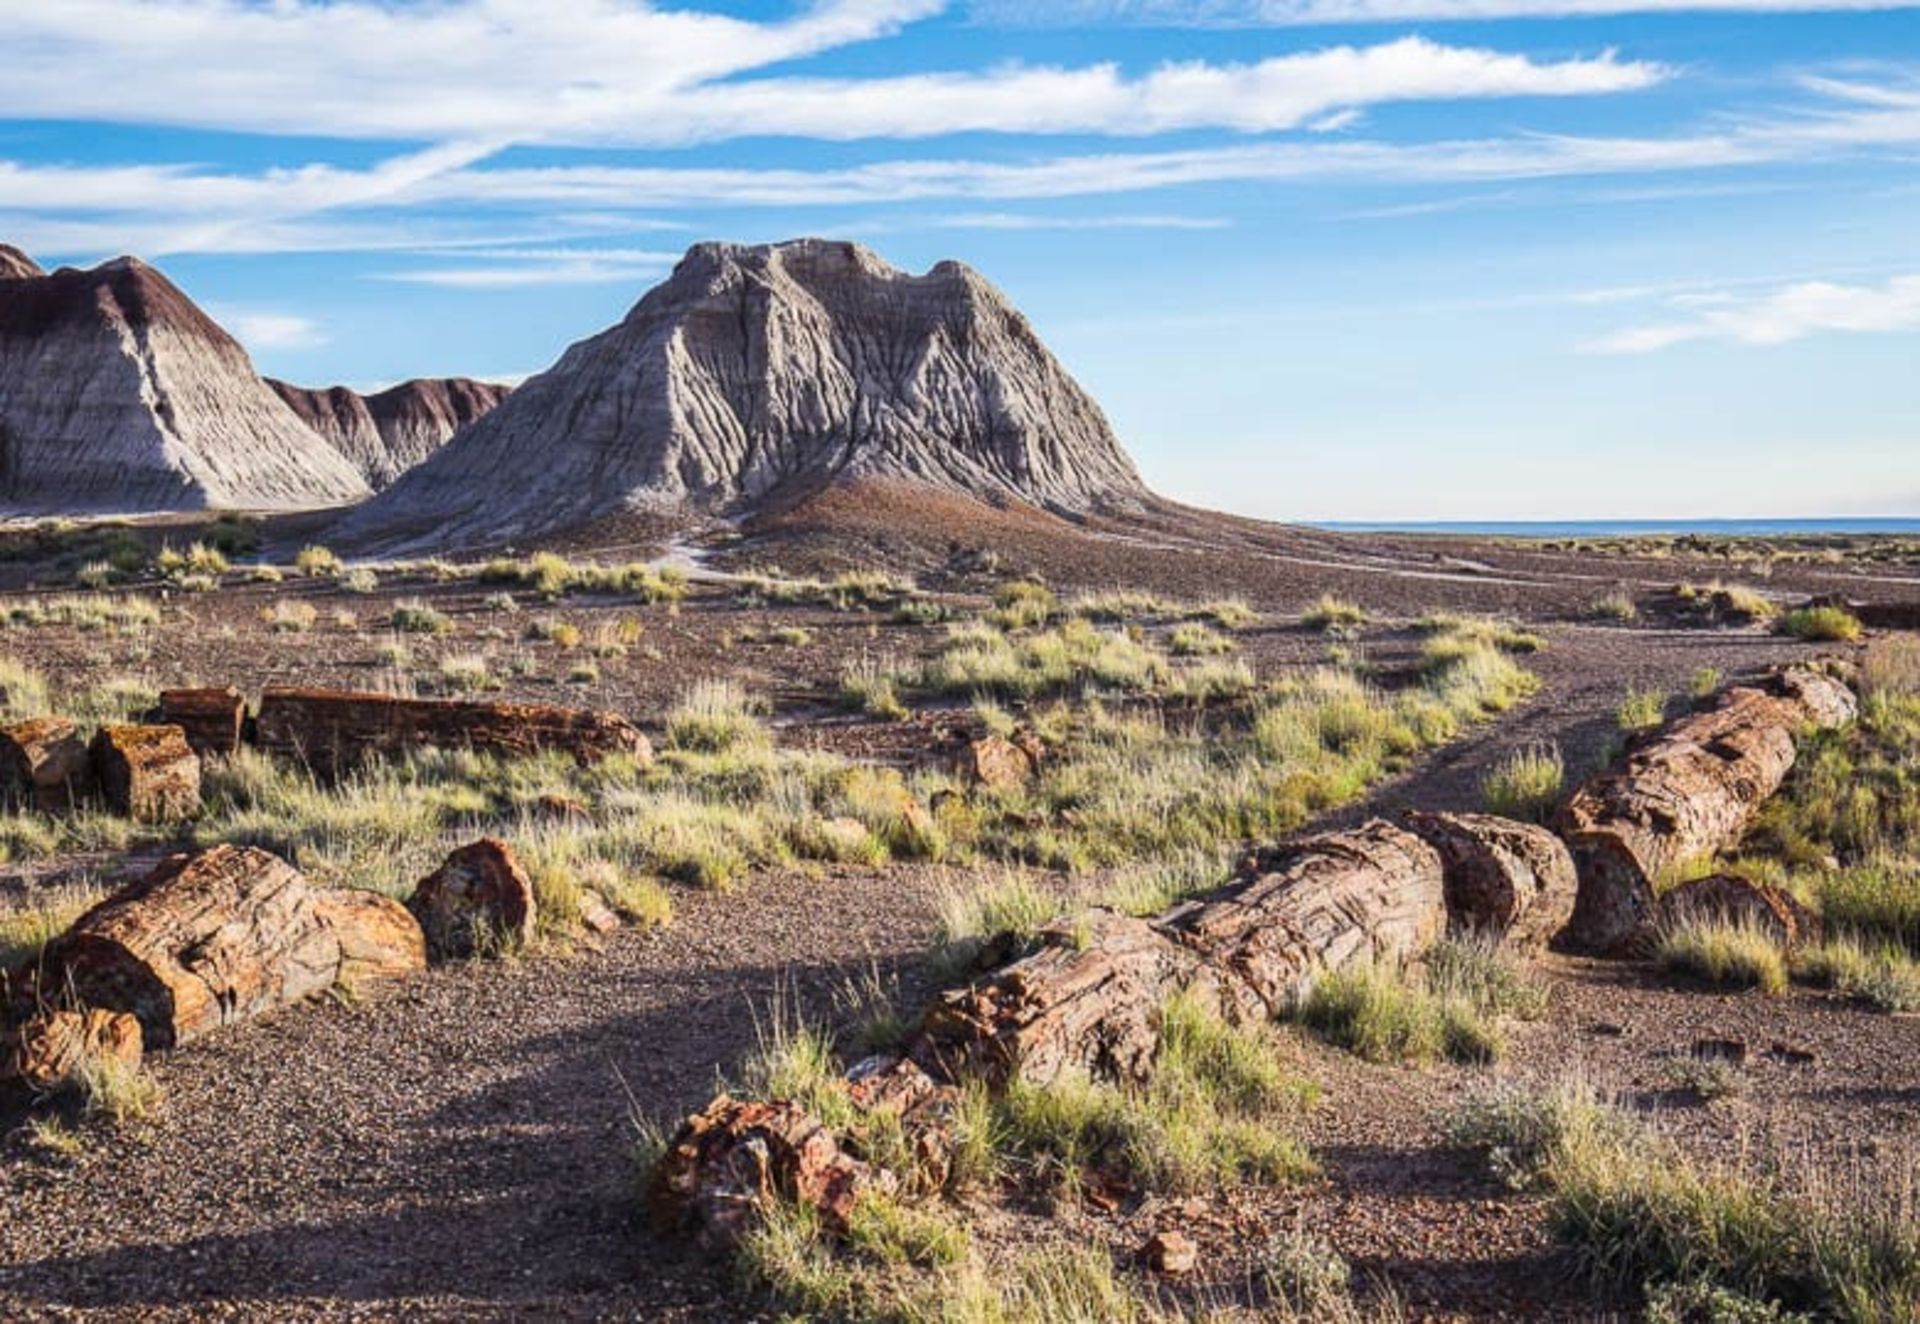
(1362, 259)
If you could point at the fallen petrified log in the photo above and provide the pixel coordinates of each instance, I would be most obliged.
(334, 730)
(44, 764)
(50, 1050)
(1688, 793)
(1725, 899)
(1515, 880)
(210, 939)
(148, 773)
(1090, 998)
(479, 900)
(214, 720)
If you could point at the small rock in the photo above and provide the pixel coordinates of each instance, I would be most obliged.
(1170, 1253)
(1607, 1030)
(480, 896)
(996, 764)
(596, 914)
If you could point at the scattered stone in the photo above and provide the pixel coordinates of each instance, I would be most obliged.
(479, 900)
(48, 1051)
(1171, 1253)
(44, 765)
(214, 719)
(995, 764)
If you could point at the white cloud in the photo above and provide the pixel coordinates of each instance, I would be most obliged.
(516, 268)
(1027, 221)
(1790, 313)
(1301, 13)
(260, 329)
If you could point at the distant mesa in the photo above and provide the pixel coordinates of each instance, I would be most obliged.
(389, 432)
(118, 394)
(755, 376)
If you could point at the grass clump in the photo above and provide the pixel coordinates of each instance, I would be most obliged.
(871, 687)
(1617, 607)
(1526, 784)
(412, 616)
(25, 931)
(1196, 640)
(1334, 614)
(1641, 710)
(716, 716)
(318, 562)
(1449, 1007)
(360, 579)
(1883, 976)
(1022, 605)
(289, 616)
(1728, 954)
(1821, 625)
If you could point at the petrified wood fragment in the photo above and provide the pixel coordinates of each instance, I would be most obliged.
(148, 773)
(1725, 899)
(49, 1050)
(479, 900)
(213, 719)
(1513, 879)
(44, 764)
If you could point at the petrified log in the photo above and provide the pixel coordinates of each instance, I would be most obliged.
(1090, 998)
(728, 1161)
(203, 941)
(1513, 879)
(335, 729)
(478, 900)
(379, 938)
(50, 1050)
(1689, 792)
(44, 764)
(148, 773)
(1724, 898)
(213, 719)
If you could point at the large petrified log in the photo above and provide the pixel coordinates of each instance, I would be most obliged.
(148, 773)
(50, 1050)
(214, 720)
(210, 939)
(44, 764)
(1513, 879)
(1688, 793)
(336, 729)
(1090, 998)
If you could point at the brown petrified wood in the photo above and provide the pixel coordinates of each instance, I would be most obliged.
(379, 938)
(49, 1050)
(730, 1160)
(1512, 879)
(44, 764)
(1725, 899)
(335, 729)
(213, 719)
(203, 941)
(996, 763)
(1090, 998)
(148, 773)
(479, 899)
(1686, 794)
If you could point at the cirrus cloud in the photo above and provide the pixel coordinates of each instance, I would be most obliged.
(1792, 312)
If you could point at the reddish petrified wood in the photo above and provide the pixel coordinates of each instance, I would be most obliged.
(996, 763)
(49, 1050)
(214, 719)
(1513, 879)
(335, 729)
(379, 938)
(1686, 794)
(203, 941)
(1724, 898)
(44, 764)
(728, 1161)
(478, 900)
(148, 773)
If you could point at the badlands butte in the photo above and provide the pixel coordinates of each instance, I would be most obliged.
(773, 817)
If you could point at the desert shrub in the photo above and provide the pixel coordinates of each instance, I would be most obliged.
(1196, 640)
(1730, 954)
(1227, 613)
(1525, 784)
(412, 616)
(1704, 683)
(1883, 976)
(716, 716)
(95, 574)
(1619, 607)
(1333, 613)
(870, 687)
(1022, 605)
(318, 561)
(466, 673)
(360, 579)
(1641, 710)
(289, 616)
(1307, 1274)
(1821, 625)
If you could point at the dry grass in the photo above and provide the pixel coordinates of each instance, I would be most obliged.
(1727, 954)
(1525, 784)
(1821, 625)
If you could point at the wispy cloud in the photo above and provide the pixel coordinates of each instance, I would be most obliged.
(1792, 312)
(514, 268)
(260, 329)
(1303, 13)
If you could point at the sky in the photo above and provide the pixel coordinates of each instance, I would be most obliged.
(1318, 259)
